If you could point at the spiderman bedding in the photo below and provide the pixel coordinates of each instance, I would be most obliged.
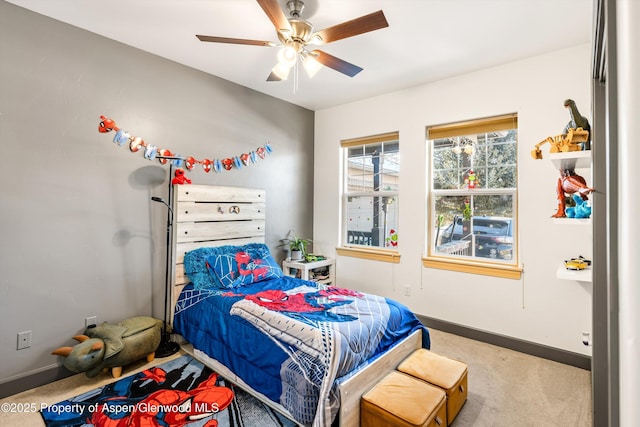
(290, 339)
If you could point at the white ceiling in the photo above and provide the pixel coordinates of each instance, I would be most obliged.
(426, 40)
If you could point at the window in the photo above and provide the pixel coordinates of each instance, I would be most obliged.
(473, 196)
(370, 196)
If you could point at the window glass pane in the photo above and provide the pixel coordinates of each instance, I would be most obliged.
(373, 167)
(359, 170)
(483, 226)
(372, 221)
(389, 171)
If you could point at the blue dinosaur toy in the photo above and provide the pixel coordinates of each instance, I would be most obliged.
(582, 209)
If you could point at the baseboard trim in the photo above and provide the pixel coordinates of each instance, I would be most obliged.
(527, 347)
(34, 380)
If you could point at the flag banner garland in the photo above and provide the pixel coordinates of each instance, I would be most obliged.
(151, 152)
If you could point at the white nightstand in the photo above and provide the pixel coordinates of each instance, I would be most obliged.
(311, 270)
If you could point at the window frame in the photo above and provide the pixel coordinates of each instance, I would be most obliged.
(376, 253)
(474, 265)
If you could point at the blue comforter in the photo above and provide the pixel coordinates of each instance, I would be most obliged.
(290, 339)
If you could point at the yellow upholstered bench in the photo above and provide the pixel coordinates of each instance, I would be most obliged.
(448, 374)
(402, 400)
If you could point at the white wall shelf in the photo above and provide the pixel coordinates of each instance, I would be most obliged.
(572, 221)
(571, 160)
(576, 275)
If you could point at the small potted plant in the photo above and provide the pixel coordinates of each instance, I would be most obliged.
(297, 246)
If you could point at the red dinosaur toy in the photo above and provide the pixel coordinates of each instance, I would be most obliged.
(570, 182)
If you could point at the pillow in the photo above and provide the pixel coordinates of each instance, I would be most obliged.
(238, 266)
(195, 266)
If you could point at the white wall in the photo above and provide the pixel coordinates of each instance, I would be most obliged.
(539, 307)
(80, 236)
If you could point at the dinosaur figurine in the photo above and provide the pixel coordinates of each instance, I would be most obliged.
(577, 121)
(570, 183)
(582, 209)
(113, 346)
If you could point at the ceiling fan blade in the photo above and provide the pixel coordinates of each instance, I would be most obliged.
(364, 24)
(275, 14)
(336, 63)
(234, 41)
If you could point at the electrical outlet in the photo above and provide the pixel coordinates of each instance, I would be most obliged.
(586, 338)
(407, 290)
(90, 321)
(24, 340)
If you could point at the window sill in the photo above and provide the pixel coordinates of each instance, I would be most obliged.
(485, 269)
(370, 253)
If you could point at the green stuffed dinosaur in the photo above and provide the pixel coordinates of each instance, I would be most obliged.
(113, 346)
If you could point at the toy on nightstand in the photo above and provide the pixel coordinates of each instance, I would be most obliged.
(113, 346)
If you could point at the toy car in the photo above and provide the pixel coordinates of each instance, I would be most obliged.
(579, 263)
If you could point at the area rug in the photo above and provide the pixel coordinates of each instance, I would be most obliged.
(181, 392)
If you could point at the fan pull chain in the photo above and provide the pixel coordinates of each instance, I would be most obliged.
(295, 77)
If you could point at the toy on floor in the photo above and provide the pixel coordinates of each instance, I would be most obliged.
(113, 346)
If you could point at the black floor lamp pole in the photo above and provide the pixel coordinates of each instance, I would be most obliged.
(167, 347)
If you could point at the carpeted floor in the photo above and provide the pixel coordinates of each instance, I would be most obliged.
(506, 388)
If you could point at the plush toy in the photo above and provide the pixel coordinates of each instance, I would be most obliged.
(113, 346)
(471, 181)
(582, 209)
(392, 240)
(570, 183)
(180, 178)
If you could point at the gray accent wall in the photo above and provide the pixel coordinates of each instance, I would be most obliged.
(80, 236)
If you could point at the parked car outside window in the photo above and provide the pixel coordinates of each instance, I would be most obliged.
(491, 237)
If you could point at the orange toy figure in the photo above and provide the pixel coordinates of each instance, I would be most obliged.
(570, 182)
(107, 125)
(180, 178)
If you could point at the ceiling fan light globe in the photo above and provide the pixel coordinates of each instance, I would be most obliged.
(287, 56)
(311, 66)
(281, 71)
(315, 40)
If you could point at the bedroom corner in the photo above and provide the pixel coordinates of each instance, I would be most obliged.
(80, 235)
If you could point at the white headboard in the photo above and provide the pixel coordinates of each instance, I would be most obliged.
(210, 216)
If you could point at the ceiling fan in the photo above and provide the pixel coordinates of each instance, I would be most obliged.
(297, 34)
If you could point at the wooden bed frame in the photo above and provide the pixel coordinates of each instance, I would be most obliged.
(211, 216)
